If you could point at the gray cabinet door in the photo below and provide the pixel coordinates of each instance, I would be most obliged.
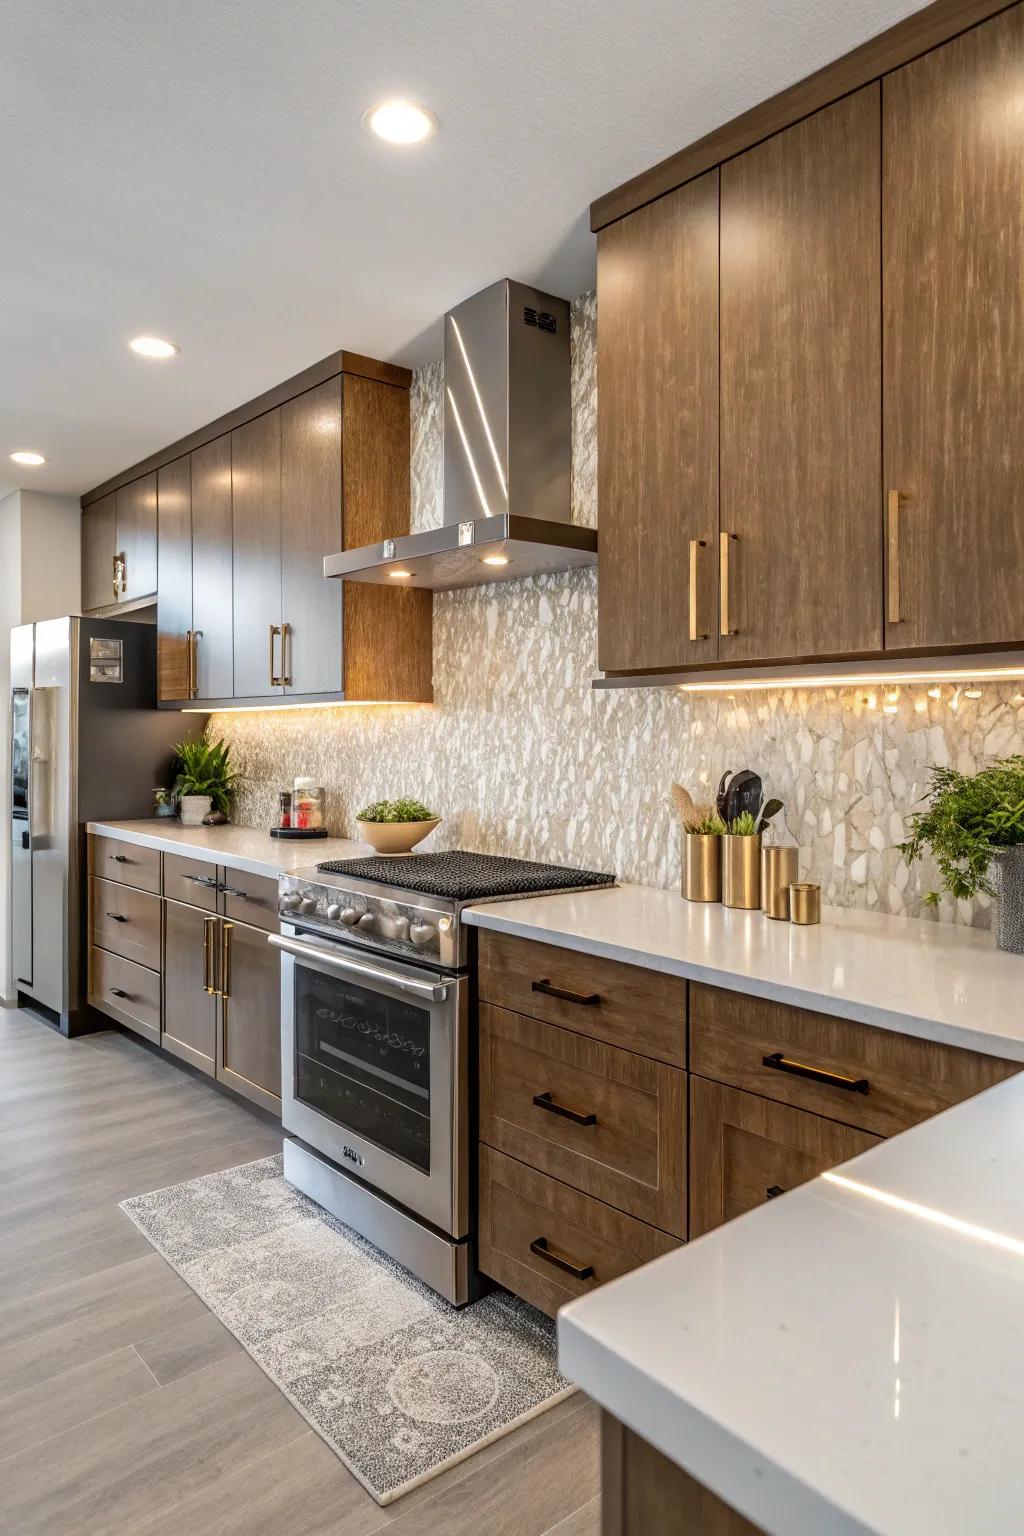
(256, 517)
(98, 554)
(311, 508)
(136, 538)
(212, 605)
(190, 964)
(249, 1055)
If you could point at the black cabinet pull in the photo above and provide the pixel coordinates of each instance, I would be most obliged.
(545, 1101)
(206, 880)
(539, 1246)
(116, 917)
(774, 1191)
(780, 1063)
(585, 999)
(231, 890)
(119, 858)
(117, 992)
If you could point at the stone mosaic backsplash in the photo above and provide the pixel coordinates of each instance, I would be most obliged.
(521, 756)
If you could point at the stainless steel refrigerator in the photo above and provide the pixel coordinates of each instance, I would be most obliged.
(87, 743)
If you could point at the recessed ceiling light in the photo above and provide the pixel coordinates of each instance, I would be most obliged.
(495, 559)
(26, 456)
(400, 575)
(400, 122)
(152, 347)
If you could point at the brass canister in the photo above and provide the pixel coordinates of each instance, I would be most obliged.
(780, 868)
(702, 866)
(805, 903)
(741, 871)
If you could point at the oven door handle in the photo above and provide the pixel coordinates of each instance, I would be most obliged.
(435, 992)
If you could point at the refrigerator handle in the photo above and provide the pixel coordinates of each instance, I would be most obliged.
(40, 761)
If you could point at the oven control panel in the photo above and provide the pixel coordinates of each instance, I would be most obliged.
(412, 927)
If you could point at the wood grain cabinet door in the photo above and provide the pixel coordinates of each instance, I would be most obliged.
(311, 509)
(249, 1042)
(745, 1150)
(98, 524)
(657, 423)
(212, 600)
(953, 259)
(136, 524)
(190, 1010)
(174, 580)
(256, 516)
(801, 504)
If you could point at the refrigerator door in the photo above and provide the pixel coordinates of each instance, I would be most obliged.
(51, 765)
(21, 837)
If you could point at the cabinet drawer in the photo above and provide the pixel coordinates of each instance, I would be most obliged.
(548, 1243)
(250, 899)
(603, 1120)
(872, 1078)
(192, 881)
(126, 922)
(127, 992)
(127, 863)
(624, 1005)
(745, 1150)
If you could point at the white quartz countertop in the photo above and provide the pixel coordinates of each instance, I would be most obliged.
(846, 1359)
(936, 980)
(248, 848)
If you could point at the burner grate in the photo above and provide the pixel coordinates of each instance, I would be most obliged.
(464, 876)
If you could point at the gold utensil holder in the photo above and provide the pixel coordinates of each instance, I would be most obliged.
(702, 866)
(741, 871)
(780, 868)
(805, 903)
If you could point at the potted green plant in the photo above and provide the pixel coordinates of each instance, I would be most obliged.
(974, 828)
(741, 862)
(396, 826)
(205, 780)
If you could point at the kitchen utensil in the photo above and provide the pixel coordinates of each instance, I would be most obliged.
(805, 903)
(772, 808)
(780, 867)
(739, 792)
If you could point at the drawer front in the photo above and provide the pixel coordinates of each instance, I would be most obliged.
(745, 1150)
(126, 991)
(127, 863)
(603, 1120)
(624, 1005)
(548, 1243)
(250, 899)
(872, 1078)
(192, 881)
(126, 922)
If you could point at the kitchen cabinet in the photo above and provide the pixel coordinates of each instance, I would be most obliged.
(190, 999)
(249, 1034)
(953, 252)
(174, 580)
(658, 433)
(136, 525)
(256, 554)
(311, 511)
(98, 541)
(801, 522)
(212, 606)
(643, 1492)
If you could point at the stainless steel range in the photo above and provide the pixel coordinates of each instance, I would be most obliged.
(375, 1044)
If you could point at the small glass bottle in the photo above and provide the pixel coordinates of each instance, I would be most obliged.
(307, 806)
(284, 814)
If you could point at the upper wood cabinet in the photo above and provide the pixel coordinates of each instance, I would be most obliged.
(658, 433)
(136, 539)
(98, 540)
(311, 510)
(801, 519)
(256, 547)
(212, 604)
(174, 579)
(953, 259)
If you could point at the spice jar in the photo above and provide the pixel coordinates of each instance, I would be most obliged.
(307, 806)
(284, 810)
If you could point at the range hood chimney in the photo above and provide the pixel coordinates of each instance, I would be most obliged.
(507, 453)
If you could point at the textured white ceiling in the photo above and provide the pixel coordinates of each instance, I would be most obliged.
(196, 169)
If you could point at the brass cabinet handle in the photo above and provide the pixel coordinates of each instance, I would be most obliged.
(275, 681)
(893, 615)
(196, 637)
(188, 664)
(577, 1116)
(225, 959)
(120, 572)
(114, 577)
(286, 646)
(780, 1063)
(585, 999)
(695, 633)
(540, 1247)
(724, 540)
(209, 924)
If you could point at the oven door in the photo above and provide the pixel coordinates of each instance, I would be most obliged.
(374, 1072)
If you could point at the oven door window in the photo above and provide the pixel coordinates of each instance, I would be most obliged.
(363, 1059)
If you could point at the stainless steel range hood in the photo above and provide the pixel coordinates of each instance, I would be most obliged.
(507, 453)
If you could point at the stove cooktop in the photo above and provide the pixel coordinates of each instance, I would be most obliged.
(462, 876)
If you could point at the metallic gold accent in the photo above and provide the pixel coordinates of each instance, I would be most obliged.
(286, 631)
(893, 615)
(225, 959)
(702, 866)
(695, 633)
(741, 872)
(780, 867)
(189, 689)
(805, 903)
(725, 627)
(275, 681)
(209, 923)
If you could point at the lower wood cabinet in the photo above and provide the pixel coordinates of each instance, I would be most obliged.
(745, 1150)
(126, 922)
(642, 1492)
(128, 992)
(190, 997)
(249, 1039)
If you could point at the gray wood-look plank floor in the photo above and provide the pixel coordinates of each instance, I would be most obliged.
(126, 1408)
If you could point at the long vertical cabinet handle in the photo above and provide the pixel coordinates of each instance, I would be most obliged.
(225, 960)
(286, 649)
(893, 614)
(194, 662)
(209, 928)
(724, 542)
(695, 631)
(275, 681)
(190, 692)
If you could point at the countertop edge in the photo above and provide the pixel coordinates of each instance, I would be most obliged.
(270, 867)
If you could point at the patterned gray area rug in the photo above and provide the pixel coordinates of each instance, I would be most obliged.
(400, 1384)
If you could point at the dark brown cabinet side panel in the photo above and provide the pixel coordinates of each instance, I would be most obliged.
(256, 512)
(136, 538)
(311, 529)
(174, 579)
(249, 1044)
(953, 248)
(657, 281)
(212, 607)
(98, 521)
(190, 1012)
(801, 504)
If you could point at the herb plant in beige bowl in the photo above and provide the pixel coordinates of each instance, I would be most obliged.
(396, 826)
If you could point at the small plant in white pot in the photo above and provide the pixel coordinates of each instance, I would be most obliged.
(396, 826)
(206, 781)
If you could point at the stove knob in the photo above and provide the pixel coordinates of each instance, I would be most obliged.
(368, 922)
(307, 905)
(290, 901)
(333, 912)
(348, 916)
(421, 933)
